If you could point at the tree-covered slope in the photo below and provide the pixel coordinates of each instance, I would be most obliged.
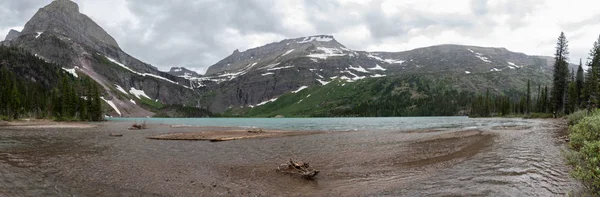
(31, 87)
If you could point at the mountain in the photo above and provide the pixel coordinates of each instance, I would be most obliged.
(258, 75)
(60, 34)
(12, 34)
(183, 73)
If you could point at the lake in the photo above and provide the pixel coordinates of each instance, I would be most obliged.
(332, 124)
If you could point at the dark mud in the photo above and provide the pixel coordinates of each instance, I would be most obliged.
(440, 162)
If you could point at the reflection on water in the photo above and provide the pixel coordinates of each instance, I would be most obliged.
(437, 157)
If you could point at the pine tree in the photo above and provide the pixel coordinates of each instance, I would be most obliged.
(592, 86)
(561, 74)
(579, 81)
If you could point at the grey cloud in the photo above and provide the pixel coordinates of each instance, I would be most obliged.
(13, 13)
(479, 7)
(200, 24)
(198, 33)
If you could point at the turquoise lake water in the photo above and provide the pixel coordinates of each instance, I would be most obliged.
(331, 124)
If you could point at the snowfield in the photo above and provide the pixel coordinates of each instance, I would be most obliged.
(138, 93)
(121, 89)
(389, 61)
(300, 89)
(72, 71)
(359, 69)
(377, 67)
(112, 105)
(288, 52)
(316, 38)
(480, 56)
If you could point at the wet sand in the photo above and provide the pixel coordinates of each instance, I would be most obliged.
(221, 134)
(87, 161)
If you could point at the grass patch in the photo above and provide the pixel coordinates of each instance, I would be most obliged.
(150, 103)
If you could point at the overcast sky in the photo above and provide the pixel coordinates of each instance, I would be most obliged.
(198, 33)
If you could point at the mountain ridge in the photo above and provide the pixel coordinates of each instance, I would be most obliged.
(260, 74)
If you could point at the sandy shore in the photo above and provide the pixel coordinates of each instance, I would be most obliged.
(227, 135)
(40, 124)
(63, 159)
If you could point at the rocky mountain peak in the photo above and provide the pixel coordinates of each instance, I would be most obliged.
(12, 34)
(63, 18)
(183, 72)
(65, 5)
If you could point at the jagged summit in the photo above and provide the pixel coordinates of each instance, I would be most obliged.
(63, 17)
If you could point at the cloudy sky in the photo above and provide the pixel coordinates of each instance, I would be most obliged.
(198, 33)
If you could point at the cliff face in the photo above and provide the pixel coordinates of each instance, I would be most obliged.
(59, 33)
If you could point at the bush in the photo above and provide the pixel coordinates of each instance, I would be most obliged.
(585, 157)
(574, 118)
(587, 168)
(587, 129)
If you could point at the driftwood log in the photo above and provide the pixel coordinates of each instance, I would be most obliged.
(299, 168)
(137, 126)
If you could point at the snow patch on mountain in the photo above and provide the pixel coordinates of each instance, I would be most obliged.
(377, 67)
(269, 73)
(138, 93)
(110, 102)
(119, 88)
(316, 38)
(39, 33)
(353, 79)
(288, 52)
(480, 56)
(279, 68)
(271, 65)
(467, 72)
(359, 69)
(513, 65)
(389, 61)
(325, 53)
(72, 71)
(377, 76)
(138, 73)
(265, 102)
(300, 89)
(323, 82)
(495, 70)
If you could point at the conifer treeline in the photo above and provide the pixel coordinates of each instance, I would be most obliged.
(32, 88)
(570, 90)
(579, 92)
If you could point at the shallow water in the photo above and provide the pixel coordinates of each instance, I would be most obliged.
(358, 157)
(333, 124)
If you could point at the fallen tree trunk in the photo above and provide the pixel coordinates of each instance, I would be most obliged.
(299, 168)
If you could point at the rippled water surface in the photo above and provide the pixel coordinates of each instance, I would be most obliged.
(435, 156)
(333, 124)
